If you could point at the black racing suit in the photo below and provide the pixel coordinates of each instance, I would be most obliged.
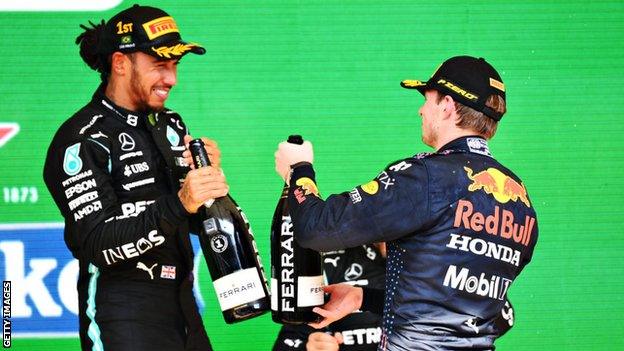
(459, 228)
(114, 174)
(362, 266)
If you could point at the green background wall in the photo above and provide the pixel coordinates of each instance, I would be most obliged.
(330, 70)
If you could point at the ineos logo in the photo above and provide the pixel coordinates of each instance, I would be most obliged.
(127, 143)
(219, 243)
(353, 272)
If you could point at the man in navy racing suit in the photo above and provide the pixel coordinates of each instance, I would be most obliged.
(118, 171)
(459, 226)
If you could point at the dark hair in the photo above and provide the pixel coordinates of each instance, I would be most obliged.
(89, 41)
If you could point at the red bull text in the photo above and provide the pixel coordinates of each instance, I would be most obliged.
(501, 222)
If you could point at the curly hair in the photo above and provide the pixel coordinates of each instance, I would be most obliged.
(89, 41)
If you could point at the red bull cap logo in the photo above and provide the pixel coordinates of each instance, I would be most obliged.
(498, 184)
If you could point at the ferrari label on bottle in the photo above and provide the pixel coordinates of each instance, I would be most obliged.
(310, 291)
(238, 288)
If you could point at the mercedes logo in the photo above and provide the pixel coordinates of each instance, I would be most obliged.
(353, 272)
(127, 143)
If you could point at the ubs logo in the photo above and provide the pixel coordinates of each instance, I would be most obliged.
(127, 143)
(353, 272)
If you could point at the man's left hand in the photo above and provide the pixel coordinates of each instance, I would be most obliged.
(214, 154)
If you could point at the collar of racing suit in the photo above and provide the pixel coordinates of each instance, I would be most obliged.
(132, 118)
(471, 143)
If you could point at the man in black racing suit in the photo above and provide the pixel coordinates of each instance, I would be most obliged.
(116, 170)
(459, 226)
(363, 265)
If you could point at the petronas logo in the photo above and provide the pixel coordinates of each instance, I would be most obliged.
(72, 164)
(172, 136)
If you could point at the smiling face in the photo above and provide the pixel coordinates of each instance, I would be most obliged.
(150, 82)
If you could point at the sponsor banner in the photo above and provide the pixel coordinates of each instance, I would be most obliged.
(43, 276)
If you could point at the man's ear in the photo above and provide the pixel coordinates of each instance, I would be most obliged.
(120, 64)
(448, 106)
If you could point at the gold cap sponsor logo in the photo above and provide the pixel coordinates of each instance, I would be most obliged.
(176, 50)
(412, 83)
(496, 84)
(457, 89)
(160, 26)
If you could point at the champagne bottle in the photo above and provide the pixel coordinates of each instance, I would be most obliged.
(231, 254)
(296, 273)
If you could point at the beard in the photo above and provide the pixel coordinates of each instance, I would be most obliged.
(140, 94)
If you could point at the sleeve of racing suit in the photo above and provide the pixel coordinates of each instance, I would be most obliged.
(390, 206)
(93, 219)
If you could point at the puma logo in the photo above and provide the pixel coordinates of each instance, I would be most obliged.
(293, 343)
(333, 261)
(141, 265)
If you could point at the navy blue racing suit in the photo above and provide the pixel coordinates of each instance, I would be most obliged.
(459, 228)
(114, 174)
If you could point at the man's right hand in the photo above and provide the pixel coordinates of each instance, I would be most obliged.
(201, 185)
(319, 341)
